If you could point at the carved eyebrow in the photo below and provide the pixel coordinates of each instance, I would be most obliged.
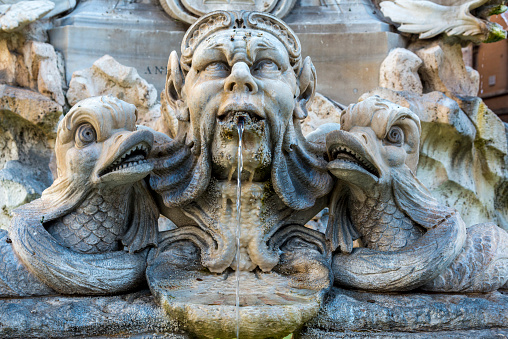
(223, 47)
(255, 45)
(217, 45)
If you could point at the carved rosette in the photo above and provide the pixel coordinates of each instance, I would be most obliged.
(190, 10)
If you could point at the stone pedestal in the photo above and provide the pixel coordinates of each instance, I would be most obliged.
(346, 41)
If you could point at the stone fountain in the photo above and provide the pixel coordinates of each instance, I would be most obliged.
(228, 168)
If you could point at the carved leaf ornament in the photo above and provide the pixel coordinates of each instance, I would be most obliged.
(189, 11)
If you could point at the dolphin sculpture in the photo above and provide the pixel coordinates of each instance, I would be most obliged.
(90, 231)
(408, 238)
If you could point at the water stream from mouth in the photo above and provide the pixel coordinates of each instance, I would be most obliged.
(238, 220)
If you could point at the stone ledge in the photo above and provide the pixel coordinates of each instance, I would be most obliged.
(476, 334)
(346, 314)
(348, 310)
(64, 316)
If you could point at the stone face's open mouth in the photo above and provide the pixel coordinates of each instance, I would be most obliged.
(134, 156)
(248, 118)
(346, 154)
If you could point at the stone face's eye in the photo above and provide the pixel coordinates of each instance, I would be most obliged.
(218, 68)
(265, 66)
(85, 135)
(395, 135)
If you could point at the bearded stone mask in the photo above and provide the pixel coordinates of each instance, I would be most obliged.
(240, 66)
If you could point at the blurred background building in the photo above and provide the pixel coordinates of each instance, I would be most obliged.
(491, 61)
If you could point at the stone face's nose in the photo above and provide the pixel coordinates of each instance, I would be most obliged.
(240, 79)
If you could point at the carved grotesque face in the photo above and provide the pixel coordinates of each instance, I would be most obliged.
(241, 75)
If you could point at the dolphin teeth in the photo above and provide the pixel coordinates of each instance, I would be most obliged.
(355, 159)
(123, 162)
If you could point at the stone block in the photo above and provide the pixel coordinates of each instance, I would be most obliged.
(399, 71)
(444, 70)
(41, 61)
(7, 64)
(31, 106)
(17, 15)
(108, 76)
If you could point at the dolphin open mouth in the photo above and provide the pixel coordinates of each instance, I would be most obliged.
(134, 156)
(342, 153)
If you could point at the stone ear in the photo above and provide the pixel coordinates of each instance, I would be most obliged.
(307, 86)
(174, 85)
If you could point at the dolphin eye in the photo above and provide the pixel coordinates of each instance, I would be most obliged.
(395, 135)
(85, 134)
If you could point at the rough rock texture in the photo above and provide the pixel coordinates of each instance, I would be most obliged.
(107, 76)
(321, 111)
(31, 64)
(399, 71)
(52, 317)
(31, 103)
(464, 144)
(32, 106)
(24, 158)
(17, 190)
(348, 310)
(16, 16)
(444, 70)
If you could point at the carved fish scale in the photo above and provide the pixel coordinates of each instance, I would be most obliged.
(382, 225)
(96, 225)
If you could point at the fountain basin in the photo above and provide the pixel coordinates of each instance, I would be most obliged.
(204, 303)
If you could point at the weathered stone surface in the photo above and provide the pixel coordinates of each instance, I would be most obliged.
(42, 63)
(21, 140)
(16, 16)
(24, 159)
(7, 64)
(349, 310)
(443, 70)
(28, 116)
(314, 333)
(321, 111)
(107, 76)
(347, 314)
(33, 65)
(399, 71)
(62, 317)
(20, 184)
(31, 106)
